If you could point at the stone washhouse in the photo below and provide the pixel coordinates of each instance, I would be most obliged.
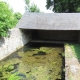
(42, 28)
(51, 27)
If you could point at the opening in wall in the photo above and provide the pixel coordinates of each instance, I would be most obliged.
(54, 36)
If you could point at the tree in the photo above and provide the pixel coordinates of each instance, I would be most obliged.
(17, 16)
(31, 8)
(63, 6)
(34, 8)
(27, 2)
(7, 19)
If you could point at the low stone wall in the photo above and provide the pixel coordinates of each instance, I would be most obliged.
(16, 40)
(72, 63)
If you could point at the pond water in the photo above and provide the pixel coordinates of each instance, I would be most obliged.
(39, 62)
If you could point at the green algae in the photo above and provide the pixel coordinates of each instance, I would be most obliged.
(43, 63)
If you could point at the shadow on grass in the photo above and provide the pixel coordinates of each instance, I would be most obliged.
(76, 50)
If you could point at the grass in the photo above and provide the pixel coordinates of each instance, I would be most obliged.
(76, 50)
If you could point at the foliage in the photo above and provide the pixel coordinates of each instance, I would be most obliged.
(27, 2)
(5, 73)
(17, 16)
(34, 8)
(14, 77)
(76, 50)
(31, 8)
(7, 19)
(63, 6)
(10, 68)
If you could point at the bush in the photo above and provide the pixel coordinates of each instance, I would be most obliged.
(7, 19)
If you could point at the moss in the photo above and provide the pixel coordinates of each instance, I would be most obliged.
(39, 67)
(10, 68)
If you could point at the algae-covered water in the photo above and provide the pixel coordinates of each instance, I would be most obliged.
(33, 63)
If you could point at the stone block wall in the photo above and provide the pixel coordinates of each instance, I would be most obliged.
(16, 40)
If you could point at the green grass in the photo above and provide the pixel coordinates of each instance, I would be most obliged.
(76, 50)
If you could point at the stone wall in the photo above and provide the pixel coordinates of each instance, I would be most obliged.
(16, 40)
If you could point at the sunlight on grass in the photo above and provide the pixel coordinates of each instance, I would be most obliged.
(76, 50)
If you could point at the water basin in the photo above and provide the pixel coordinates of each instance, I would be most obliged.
(34, 62)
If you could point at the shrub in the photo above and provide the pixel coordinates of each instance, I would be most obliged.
(7, 19)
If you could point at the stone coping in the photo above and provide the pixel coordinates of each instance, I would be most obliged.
(72, 64)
